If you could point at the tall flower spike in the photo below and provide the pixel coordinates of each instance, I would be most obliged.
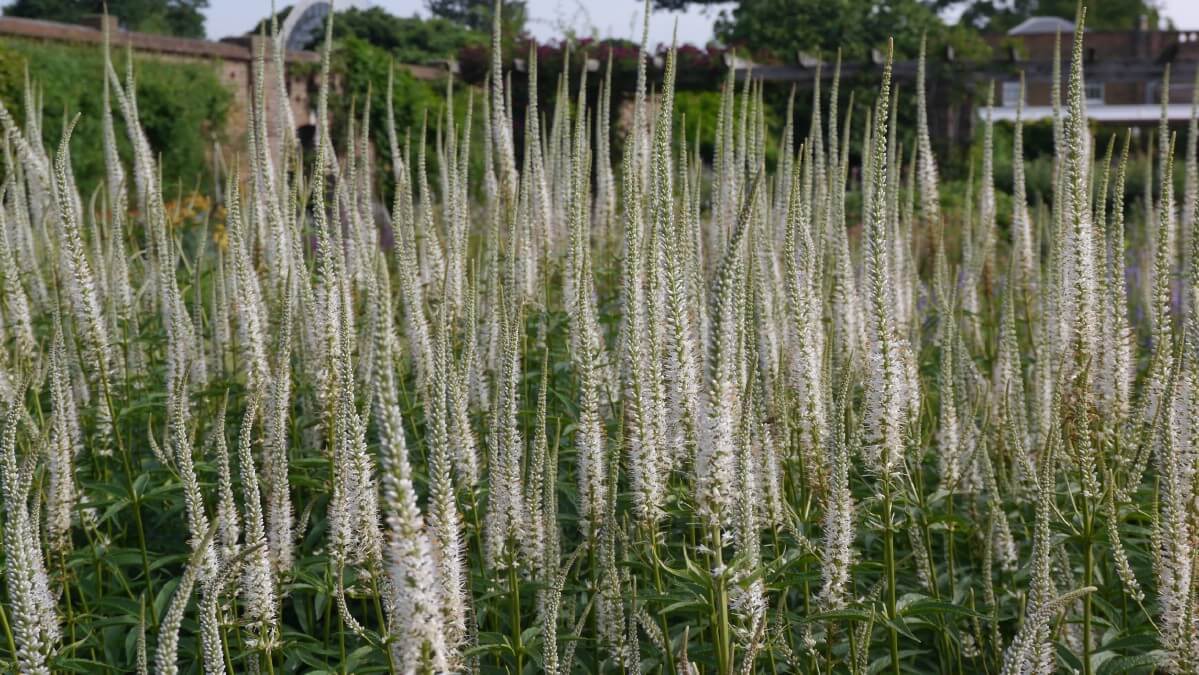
(747, 596)
(1118, 332)
(228, 523)
(257, 589)
(416, 621)
(804, 305)
(198, 524)
(845, 305)
(506, 519)
(950, 452)
(1079, 272)
(535, 486)
(1174, 558)
(641, 337)
(444, 517)
(166, 658)
(462, 434)
(889, 395)
(715, 461)
(837, 561)
(16, 302)
(84, 294)
(1031, 650)
(1022, 233)
(61, 490)
(32, 611)
(590, 442)
(687, 414)
(421, 567)
(1191, 189)
(1160, 295)
(279, 514)
(930, 200)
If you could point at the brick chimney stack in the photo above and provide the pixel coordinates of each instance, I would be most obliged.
(1142, 37)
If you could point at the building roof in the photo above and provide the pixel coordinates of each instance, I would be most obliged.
(1042, 25)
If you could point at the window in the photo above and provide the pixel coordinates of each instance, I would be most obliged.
(1011, 93)
(1094, 92)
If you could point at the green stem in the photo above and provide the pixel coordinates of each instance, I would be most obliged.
(130, 479)
(1088, 553)
(724, 643)
(12, 645)
(889, 563)
(950, 548)
(391, 666)
(514, 592)
(658, 585)
(66, 592)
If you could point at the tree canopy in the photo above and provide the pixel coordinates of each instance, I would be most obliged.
(1001, 15)
(169, 17)
(855, 26)
(406, 39)
(476, 14)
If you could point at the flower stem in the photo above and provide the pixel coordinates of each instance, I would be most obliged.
(889, 563)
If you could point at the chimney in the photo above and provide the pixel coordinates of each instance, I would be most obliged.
(1142, 36)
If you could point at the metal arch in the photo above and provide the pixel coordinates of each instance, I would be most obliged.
(302, 23)
(306, 18)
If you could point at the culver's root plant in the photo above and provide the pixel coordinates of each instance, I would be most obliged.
(579, 403)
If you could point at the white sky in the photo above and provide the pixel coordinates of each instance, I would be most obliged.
(606, 18)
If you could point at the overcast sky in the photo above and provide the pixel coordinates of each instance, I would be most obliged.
(548, 18)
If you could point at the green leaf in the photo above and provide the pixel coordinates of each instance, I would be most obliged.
(1130, 664)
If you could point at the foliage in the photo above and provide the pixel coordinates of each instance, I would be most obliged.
(998, 16)
(363, 68)
(407, 40)
(183, 106)
(184, 18)
(784, 27)
(477, 14)
(780, 29)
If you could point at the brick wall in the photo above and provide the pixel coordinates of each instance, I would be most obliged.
(232, 59)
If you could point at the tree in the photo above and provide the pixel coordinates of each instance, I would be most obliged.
(169, 17)
(476, 14)
(407, 40)
(1001, 15)
(784, 27)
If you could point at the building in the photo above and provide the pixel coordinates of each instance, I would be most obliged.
(1124, 71)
